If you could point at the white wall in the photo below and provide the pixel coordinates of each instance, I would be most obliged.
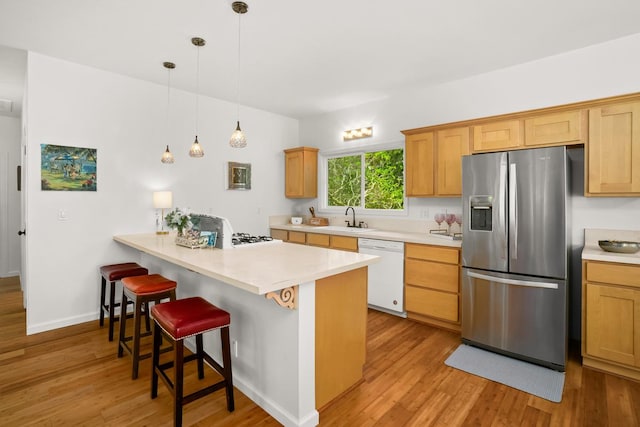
(595, 72)
(9, 197)
(125, 120)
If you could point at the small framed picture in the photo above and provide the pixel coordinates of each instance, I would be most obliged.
(239, 176)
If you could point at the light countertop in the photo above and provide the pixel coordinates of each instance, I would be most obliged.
(593, 252)
(258, 269)
(398, 236)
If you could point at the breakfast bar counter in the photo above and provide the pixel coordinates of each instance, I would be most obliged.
(290, 361)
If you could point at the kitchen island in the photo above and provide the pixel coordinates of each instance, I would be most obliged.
(290, 361)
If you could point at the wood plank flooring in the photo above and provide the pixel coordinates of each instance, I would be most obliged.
(71, 376)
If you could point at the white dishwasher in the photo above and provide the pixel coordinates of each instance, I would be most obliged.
(386, 278)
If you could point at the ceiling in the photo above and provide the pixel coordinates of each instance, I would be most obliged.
(301, 58)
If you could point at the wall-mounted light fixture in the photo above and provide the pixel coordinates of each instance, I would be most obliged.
(365, 132)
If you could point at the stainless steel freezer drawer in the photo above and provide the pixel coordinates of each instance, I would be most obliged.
(525, 317)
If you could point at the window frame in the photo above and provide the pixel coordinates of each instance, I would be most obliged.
(323, 170)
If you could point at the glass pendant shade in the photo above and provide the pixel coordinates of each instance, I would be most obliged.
(238, 140)
(196, 149)
(167, 157)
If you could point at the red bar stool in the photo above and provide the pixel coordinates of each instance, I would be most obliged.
(181, 319)
(112, 273)
(141, 290)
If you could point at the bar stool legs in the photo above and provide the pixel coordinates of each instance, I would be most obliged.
(112, 273)
(141, 290)
(180, 319)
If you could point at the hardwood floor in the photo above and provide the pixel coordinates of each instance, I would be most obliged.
(72, 376)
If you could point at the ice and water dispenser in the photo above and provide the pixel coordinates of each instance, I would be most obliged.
(481, 208)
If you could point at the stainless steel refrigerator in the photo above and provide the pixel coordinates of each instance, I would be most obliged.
(515, 254)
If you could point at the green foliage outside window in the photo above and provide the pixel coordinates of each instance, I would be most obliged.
(383, 186)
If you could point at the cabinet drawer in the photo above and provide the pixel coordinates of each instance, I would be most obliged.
(432, 303)
(297, 237)
(344, 243)
(280, 234)
(619, 274)
(318, 239)
(433, 275)
(432, 253)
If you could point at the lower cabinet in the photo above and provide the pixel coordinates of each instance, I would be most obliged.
(331, 241)
(611, 317)
(432, 284)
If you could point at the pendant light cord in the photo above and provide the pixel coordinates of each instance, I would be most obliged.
(168, 97)
(238, 80)
(197, 85)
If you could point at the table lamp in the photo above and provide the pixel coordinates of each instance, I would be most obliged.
(162, 200)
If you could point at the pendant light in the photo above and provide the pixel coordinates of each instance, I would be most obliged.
(196, 149)
(167, 157)
(238, 140)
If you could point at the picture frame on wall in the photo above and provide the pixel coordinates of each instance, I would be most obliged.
(239, 176)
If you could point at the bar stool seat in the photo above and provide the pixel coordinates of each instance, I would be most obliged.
(180, 319)
(112, 273)
(141, 290)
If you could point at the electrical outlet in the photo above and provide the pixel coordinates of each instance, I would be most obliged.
(235, 348)
(424, 213)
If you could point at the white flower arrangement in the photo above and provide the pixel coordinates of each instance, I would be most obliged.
(180, 220)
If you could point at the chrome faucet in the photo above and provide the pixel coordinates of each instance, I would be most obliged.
(354, 217)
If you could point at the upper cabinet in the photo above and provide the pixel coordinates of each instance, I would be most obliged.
(434, 162)
(498, 136)
(612, 161)
(301, 172)
(452, 144)
(568, 127)
(419, 160)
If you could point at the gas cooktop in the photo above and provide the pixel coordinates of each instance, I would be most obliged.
(246, 239)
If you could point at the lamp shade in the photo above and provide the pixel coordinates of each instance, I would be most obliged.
(162, 199)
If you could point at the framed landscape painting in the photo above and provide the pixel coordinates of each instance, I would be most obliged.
(68, 168)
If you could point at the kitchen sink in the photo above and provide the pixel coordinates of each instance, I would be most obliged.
(344, 229)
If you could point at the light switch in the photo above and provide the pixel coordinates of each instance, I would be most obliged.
(62, 215)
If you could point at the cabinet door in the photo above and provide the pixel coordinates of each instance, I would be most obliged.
(315, 239)
(345, 243)
(559, 128)
(280, 234)
(419, 150)
(294, 174)
(301, 172)
(612, 323)
(297, 237)
(613, 151)
(498, 136)
(431, 303)
(452, 144)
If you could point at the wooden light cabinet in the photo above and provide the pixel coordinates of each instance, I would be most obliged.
(498, 136)
(301, 172)
(419, 160)
(556, 129)
(434, 162)
(331, 241)
(451, 145)
(612, 164)
(432, 284)
(611, 317)
(279, 234)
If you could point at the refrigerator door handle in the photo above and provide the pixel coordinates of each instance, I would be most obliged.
(513, 209)
(515, 282)
(502, 209)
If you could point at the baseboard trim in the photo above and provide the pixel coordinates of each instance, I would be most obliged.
(59, 323)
